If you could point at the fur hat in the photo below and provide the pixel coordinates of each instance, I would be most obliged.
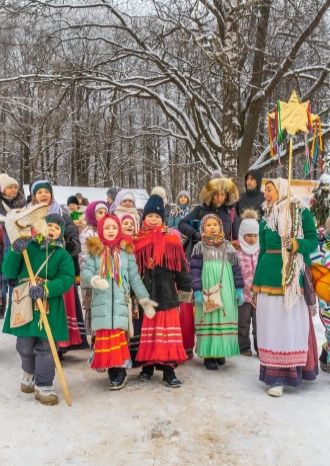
(5, 181)
(225, 185)
(160, 191)
(154, 205)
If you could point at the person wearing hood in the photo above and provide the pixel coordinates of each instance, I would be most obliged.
(247, 252)
(124, 204)
(218, 197)
(253, 198)
(111, 195)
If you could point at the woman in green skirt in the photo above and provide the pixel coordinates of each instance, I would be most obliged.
(218, 290)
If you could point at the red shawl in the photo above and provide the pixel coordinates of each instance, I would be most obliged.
(157, 246)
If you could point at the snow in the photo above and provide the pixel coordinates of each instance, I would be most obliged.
(217, 418)
(325, 178)
(61, 194)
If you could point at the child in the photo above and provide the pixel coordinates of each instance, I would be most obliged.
(54, 278)
(74, 209)
(180, 210)
(125, 204)
(94, 212)
(128, 225)
(111, 270)
(215, 269)
(162, 263)
(248, 251)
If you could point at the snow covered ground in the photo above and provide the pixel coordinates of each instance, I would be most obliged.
(216, 418)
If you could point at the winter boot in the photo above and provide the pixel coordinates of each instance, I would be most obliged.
(170, 379)
(117, 377)
(146, 374)
(275, 391)
(27, 383)
(221, 361)
(211, 364)
(46, 395)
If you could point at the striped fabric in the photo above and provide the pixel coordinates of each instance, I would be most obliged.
(110, 349)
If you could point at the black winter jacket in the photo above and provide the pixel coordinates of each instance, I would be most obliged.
(252, 199)
(163, 286)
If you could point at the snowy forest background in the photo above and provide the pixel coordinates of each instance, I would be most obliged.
(137, 93)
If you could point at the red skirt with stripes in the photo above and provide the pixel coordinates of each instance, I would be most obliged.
(110, 349)
(70, 309)
(161, 339)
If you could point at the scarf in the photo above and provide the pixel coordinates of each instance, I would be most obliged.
(110, 267)
(276, 217)
(215, 239)
(158, 246)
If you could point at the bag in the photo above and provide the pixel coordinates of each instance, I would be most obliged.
(212, 299)
(21, 312)
(21, 307)
(309, 291)
(212, 296)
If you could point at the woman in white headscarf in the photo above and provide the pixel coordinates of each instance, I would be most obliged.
(285, 334)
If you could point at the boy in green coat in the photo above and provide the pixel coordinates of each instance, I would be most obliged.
(54, 279)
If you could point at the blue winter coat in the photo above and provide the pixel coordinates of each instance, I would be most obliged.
(110, 306)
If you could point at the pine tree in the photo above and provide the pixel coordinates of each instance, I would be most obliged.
(320, 204)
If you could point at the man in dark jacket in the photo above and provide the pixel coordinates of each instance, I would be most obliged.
(253, 197)
(218, 197)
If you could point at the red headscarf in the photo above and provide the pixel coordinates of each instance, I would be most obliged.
(110, 258)
(158, 246)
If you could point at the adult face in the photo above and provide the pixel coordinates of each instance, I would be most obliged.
(218, 199)
(251, 183)
(271, 193)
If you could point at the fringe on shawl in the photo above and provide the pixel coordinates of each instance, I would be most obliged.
(173, 258)
(224, 252)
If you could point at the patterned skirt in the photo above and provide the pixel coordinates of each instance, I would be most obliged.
(161, 339)
(110, 350)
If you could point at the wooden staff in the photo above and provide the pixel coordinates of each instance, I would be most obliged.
(287, 213)
(48, 331)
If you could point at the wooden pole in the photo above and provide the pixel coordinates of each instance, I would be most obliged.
(287, 213)
(48, 331)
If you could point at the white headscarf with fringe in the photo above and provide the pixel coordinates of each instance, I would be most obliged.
(275, 216)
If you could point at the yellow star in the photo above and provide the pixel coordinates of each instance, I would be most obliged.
(293, 115)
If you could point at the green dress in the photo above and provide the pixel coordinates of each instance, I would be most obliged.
(60, 275)
(217, 331)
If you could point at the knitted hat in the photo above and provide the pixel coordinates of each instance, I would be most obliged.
(58, 219)
(160, 191)
(112, 192)
(39, 184)
(154, 205)
(72, 200)
(91, 209)
(99, 206)
(183, 193)
(5, 181)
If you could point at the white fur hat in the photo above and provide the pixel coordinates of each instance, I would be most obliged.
(160, 191)
(5, 181)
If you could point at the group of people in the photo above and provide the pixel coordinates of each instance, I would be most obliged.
(161, 284)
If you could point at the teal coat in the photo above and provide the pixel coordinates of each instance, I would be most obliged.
(110, 306)
(60, 275)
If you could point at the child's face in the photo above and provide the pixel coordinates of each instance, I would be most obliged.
(127, 225)
(251, 239)
(73, 207)
(153, 220)
(110, 229)
(100, 213)
(271, 194)
(127, 203)
(54, 231)
(11, 191)
(183, 200)
(218, 199)
(43, 195)
(212, 227)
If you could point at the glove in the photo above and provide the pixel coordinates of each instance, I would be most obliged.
(184, 296)
(148, 307)
(36, 292)
(99, 283)
(198, 297)
(239, 296)
(20, 244)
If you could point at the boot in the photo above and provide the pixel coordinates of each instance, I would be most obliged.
(46, 395)
(146, 373)
(118, 378)
(211, 364)
(170, 379)
(27, 383)
(221, 361)
(275, 391)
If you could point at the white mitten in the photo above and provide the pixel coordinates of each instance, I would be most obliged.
(99, 283)
(148, 307)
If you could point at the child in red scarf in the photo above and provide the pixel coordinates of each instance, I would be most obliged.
(111, 270)
(162, 263)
